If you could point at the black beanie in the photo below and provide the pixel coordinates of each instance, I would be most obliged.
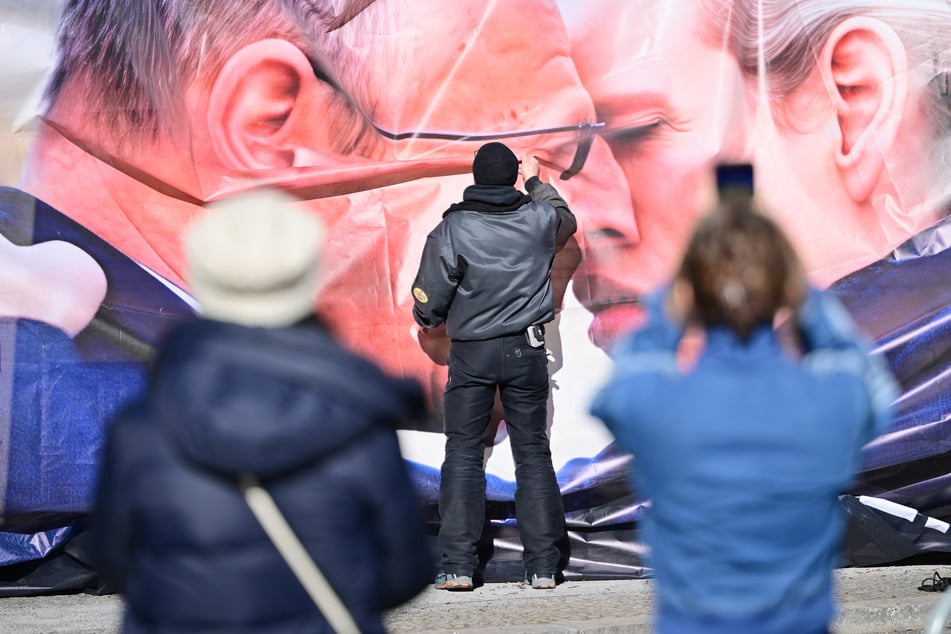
(495, 164)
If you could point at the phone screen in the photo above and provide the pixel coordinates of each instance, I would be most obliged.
(734, 178)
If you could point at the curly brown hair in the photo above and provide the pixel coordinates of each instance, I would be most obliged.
(741, 267)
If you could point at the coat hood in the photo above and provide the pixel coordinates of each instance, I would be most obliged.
(268, 401)
(490, 198)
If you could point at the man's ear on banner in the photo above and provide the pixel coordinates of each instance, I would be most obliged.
(268, 110)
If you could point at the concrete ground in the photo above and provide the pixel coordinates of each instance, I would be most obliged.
(872, 601)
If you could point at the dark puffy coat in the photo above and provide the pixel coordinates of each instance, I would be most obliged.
(316, 424)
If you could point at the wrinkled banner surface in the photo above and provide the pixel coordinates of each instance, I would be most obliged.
(119, 121)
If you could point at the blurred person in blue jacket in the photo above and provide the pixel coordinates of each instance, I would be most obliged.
(744, 446)
(259, 386)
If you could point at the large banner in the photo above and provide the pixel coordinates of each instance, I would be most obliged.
(121, 120)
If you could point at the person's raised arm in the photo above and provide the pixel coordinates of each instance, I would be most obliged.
(830, 337)
(567, 224)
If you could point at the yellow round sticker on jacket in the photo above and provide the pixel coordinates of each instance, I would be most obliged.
(420, 295)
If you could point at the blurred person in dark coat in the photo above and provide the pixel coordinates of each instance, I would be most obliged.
(258, 385)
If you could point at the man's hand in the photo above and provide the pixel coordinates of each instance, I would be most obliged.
(435, 343)
(528, 166)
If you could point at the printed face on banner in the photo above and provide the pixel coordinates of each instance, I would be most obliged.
(376, 133)
(629, 105)
(836, 154)
(672, 108)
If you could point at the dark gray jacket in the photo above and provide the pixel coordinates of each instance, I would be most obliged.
(486, 268)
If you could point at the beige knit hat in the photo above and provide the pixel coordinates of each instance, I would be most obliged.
(253, 260)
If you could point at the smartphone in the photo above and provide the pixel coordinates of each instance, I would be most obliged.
(734, 179)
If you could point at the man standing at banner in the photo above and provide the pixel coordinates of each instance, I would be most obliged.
(486, 273)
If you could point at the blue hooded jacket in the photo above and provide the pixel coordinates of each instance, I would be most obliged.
(743, 458)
